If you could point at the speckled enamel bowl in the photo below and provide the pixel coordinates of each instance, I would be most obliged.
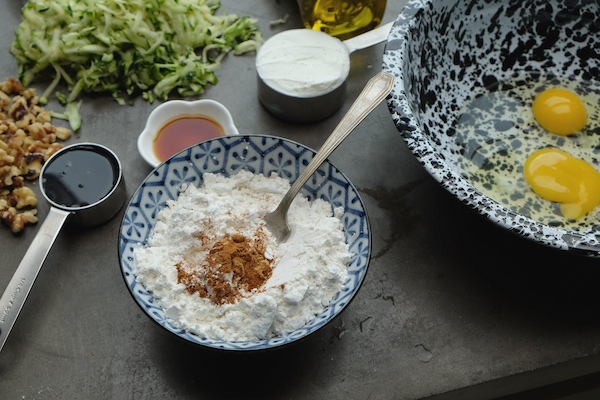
(467, 73)
(227, 155)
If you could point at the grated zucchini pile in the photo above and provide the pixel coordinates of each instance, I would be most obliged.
(128, 47)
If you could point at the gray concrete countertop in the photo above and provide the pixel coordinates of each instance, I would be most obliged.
(452, 306)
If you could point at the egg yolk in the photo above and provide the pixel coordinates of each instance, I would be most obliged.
(559, 177)
(559, 111)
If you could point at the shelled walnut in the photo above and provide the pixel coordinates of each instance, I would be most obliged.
(27, 139)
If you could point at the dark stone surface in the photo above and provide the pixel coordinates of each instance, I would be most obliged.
(451, 305)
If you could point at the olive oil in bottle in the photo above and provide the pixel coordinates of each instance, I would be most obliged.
(342, 18)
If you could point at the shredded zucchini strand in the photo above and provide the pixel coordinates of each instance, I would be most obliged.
(148, 47)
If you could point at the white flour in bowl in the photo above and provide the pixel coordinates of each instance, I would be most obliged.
(216, 270)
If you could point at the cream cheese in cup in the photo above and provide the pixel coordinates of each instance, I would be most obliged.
(302, 73)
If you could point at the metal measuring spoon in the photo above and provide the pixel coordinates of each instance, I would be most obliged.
(375, 91)
(84, 181)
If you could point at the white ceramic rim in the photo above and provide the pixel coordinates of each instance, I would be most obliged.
(172, 109)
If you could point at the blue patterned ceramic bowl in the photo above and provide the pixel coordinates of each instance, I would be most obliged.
(227, 155)
(467, 72)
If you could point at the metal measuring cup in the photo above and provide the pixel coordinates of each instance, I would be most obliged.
(67, 183)
(280, 101)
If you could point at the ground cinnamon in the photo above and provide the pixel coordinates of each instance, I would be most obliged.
(235, 264)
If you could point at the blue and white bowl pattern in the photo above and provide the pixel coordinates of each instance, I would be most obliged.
(259, 154)
(444, 51)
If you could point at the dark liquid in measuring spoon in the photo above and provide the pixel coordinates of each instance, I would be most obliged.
(79, 177)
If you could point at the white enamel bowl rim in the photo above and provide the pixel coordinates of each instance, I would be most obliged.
(428, 153)
(172, 109)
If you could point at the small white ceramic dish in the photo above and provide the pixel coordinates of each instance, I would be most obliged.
(172, 109)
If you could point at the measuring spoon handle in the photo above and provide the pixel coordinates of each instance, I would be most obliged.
(19, 286)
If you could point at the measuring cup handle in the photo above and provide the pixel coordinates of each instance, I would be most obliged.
(368, 39)
(19, 286)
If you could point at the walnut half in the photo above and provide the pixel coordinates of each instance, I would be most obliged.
(27, 139)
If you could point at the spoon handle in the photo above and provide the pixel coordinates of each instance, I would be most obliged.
(19, 286)
(374, 92)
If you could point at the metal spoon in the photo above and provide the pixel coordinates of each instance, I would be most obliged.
(375, 91)
(85, 207)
